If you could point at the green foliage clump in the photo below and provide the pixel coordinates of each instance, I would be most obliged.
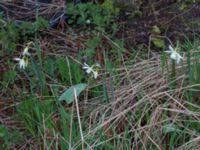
(9, 35)
(31, 28)
(12, 32)
(99, 16)
(7, 137)
(32, 112)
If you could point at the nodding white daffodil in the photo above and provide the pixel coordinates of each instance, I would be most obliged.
(23, 62)
(174, 54)
(91, 69)
(25, 52)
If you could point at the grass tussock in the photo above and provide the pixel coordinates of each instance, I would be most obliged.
(145, 111)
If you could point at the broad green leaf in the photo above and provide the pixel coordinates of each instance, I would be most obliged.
(68, 95)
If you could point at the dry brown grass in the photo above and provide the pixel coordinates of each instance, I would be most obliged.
(143, 104)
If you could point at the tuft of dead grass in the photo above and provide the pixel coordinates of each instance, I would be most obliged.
(144, 103)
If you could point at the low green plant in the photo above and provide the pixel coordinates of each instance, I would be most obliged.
(8, 137)
(9, 36)
(33, 113)
(8, 79)
(100, 17)
(29, 28)
(11, 33)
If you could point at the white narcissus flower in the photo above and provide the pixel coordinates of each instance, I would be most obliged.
(88, 21)
(95, 73)
(174, 54)
(23, 62)
(25, 52)
(90, 70)
(87, 68)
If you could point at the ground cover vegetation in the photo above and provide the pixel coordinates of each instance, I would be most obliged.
(103, 75)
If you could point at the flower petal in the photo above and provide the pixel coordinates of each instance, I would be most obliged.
(181, 57)
(89, 70)
(85, 67)
(95, 73)
(25, 52)
(178, 58)
(171, 48)
(173, 55)
(168, 52)
(17, 59)
(98, 65)
(23, 63)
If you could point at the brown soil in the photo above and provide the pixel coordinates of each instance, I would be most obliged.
(173, 22)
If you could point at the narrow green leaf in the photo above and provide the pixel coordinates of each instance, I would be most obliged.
(170, 128)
